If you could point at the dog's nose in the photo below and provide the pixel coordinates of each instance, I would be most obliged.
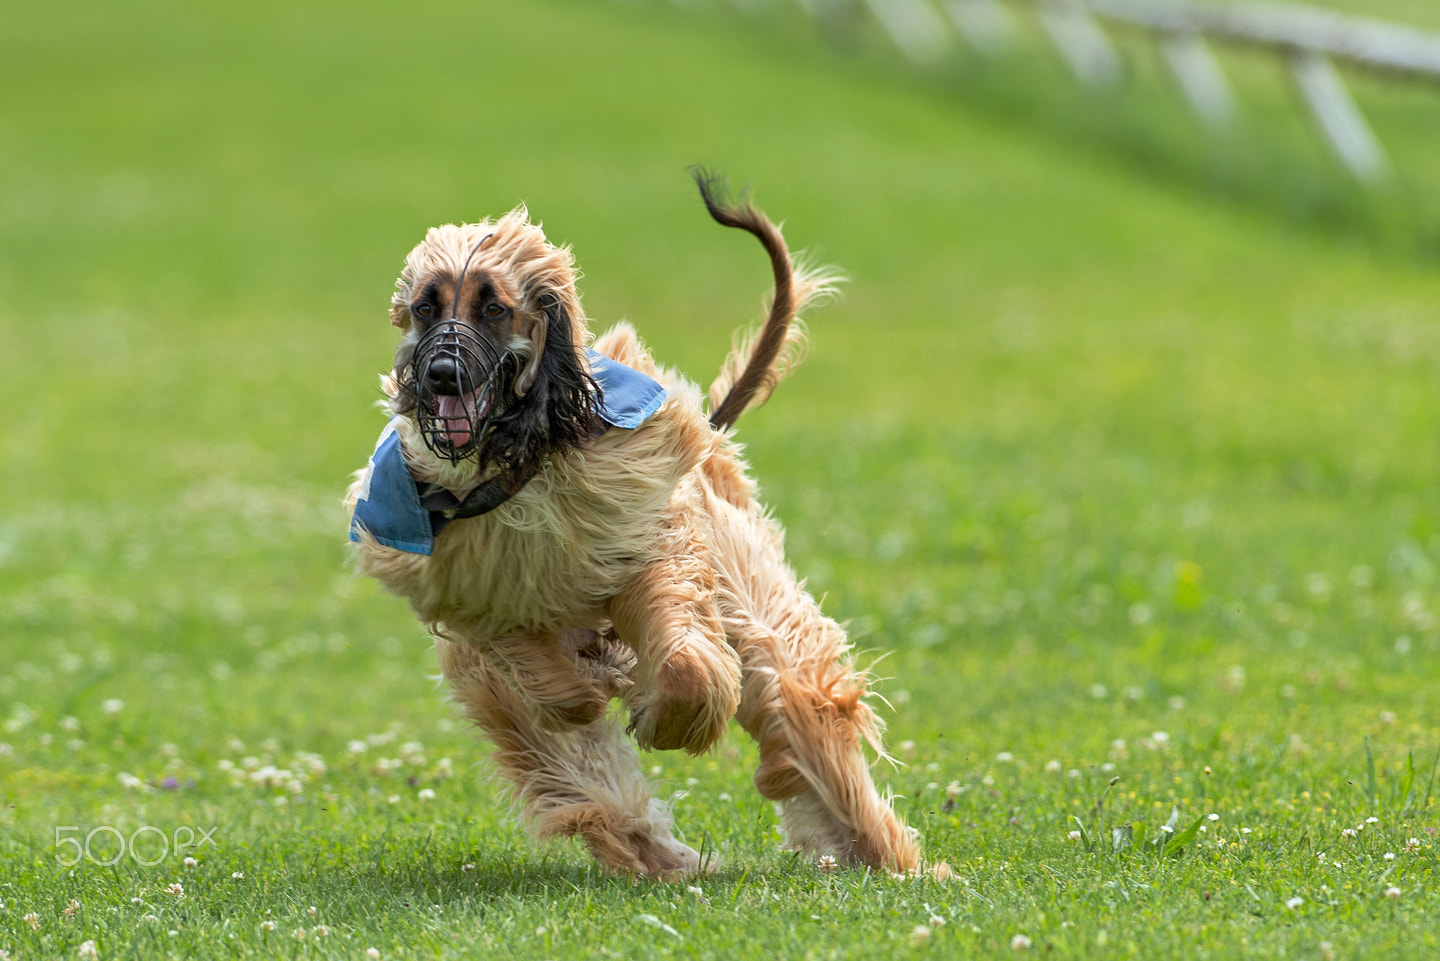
(442, 377)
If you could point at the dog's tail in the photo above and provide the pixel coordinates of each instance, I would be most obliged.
(758, 360)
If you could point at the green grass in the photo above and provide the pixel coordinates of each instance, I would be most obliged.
(1116, 432)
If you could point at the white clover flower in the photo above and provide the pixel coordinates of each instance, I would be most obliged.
(919, 935)
(33, 920)
(321, 931)
(1371, 820)
(1348, 833)
(1212, 817)
(467, 867)
(1392, 892)
(426, 794)
(88, 950)
(372, 953)
(176, 889)
(936, 921)
(1074, 836)
(1389, 855)
(237, 875)
(190, 862)
(1412, 844)
(357, 747)
(1020, 943)
(112, 706)
(1052, 767)
(827, 863)
(149, 919)
(299, 934)
(1004, 757)
(1294, 903)
(267, 925)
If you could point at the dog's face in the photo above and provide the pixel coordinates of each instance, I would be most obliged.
(491, 366)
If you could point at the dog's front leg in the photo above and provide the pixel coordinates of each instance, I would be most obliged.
(688, 677)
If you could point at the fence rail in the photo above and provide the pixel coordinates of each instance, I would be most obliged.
(1310, 39)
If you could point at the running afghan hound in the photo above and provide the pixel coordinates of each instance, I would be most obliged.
(571, 528)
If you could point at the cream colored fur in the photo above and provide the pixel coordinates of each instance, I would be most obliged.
(641, 567)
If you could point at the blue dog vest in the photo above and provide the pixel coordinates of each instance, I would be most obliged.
(389, 507)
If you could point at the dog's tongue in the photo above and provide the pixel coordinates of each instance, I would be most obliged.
(453, 411)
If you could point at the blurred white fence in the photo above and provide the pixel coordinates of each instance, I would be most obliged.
(1308, 38)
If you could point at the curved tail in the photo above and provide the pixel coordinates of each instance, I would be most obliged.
(759, 359)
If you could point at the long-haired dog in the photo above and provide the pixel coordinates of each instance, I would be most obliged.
(572, 528)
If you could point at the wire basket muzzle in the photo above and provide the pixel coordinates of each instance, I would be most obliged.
(458, 377)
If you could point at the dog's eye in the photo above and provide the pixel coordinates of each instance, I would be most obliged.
(423, 311)
(494, 309)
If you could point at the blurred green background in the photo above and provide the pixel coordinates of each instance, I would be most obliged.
(1115, 414)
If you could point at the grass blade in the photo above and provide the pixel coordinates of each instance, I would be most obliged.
(1372, 790)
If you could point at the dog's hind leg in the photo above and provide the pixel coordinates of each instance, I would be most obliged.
(585, 782)
(803, 703)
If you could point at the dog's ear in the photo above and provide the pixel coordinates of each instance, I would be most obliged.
(538, 335)
(558, 373)
(559, 407)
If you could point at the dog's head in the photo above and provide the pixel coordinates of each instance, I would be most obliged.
(491, 367)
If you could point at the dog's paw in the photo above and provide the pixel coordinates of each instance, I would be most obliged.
(669, 860)
(609, 663)
(690, 706)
